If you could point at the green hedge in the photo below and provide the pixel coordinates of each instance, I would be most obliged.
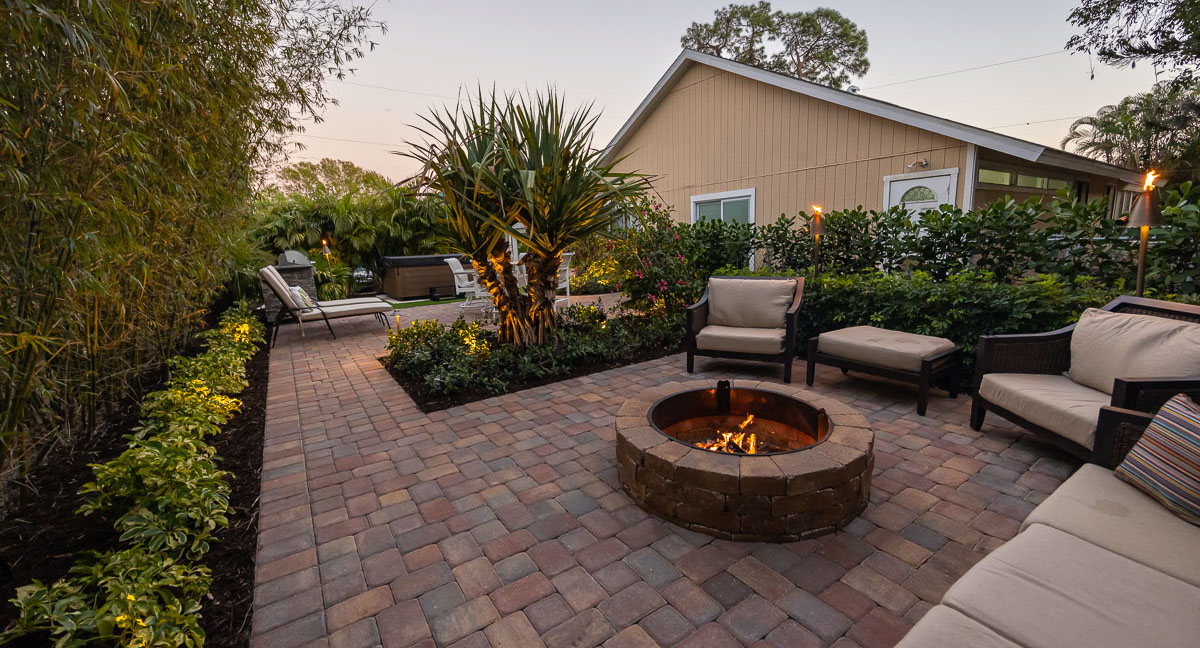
(170, 498)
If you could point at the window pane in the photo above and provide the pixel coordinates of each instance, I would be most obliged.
(995, 177)
(918, 194)
(1033, 182)
(736, 210)
(1056, 184)
(709, 210)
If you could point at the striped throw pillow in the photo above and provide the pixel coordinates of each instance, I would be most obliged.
(301, 297)
(1165, 462)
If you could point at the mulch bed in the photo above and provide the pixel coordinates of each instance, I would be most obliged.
(41, 537)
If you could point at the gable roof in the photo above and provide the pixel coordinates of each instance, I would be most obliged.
(1019, 148)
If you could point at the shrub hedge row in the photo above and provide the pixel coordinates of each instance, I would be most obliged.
(169, 499)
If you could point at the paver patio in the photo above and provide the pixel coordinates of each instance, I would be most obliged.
(501, 523)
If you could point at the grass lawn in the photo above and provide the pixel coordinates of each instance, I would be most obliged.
(427, 302)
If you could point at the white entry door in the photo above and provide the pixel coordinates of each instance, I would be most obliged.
(921, 191)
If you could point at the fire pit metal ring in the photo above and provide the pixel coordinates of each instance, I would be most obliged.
(814, 482)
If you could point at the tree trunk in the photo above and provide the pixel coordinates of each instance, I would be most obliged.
(543, 288)
(512, 307)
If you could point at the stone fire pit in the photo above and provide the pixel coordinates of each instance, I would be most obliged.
(811, 477)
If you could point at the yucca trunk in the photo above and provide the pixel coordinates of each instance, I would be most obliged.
(543, 290)
(512, 307)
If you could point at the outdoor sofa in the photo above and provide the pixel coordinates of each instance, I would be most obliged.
(746, 318)
(324, 311)
(1130, 356)
(1098, 564)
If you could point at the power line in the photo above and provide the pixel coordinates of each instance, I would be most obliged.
(423, 94)
(970, 69)
(340, 139)
(1040, 121)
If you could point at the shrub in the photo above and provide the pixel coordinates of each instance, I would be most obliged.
(602, 276)
(656, 272)
(465, 361)
(169, 499)
(961, 308)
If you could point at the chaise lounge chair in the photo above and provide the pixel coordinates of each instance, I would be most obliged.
(293, 310)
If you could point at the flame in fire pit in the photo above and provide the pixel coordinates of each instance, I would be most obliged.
(733, 442)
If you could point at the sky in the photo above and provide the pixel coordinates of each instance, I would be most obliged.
(612, 53)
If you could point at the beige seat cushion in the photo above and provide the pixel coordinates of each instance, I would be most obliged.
(750, 303)
(346, 310)
(1049, 589)
(279, 287)
(893, 349)
(1106, 346)
(741, 340)
(945, 627)
(1096, 506)
(1052, 401)
(349, 300)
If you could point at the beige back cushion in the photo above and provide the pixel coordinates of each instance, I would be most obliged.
(1107, 345)
(273, 279)
(749, 303)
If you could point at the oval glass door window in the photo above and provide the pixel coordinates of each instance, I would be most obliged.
(918, 194)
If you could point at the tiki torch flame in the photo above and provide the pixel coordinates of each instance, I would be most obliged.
(1149, 182)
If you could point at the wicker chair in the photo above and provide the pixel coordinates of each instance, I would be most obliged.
(755, 330)
(1133, 400)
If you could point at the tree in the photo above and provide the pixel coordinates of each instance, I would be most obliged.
(737, 32)
(131, 135)
(521, 167)
(1123, 32)
(821, 45)
(1158, 129)
(329, 176)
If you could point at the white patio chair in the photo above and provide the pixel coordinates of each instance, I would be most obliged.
(564, 277)
(464, 282)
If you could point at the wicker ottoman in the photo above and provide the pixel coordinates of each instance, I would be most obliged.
(921, 359)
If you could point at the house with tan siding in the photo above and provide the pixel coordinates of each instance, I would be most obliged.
(731, 141)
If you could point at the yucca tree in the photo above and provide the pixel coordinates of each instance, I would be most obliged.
(561, 190)
(461, 162)
(521, 167)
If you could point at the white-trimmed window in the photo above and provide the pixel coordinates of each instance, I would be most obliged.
(731, 206)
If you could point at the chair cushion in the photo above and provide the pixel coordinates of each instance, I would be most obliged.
(1052, 401)
(279, 287)
(877, 346)
(741, 340)
(1106, 346)
(346, 310)
(945, 627)
(1096, 506)
(1049, 589)
(750, 303)
(1165, 461)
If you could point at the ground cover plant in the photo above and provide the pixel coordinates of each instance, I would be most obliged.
(167, 499)
(442, 366)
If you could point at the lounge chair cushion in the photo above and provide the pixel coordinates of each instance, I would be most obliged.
(1048, 589)
(877, 346)
(1106, 346)
(1165, 461)
(750, 303)
(945, 627)
(762, 341)
(1052, 401)
(1096, 506)
(279, 287)
(344, 310)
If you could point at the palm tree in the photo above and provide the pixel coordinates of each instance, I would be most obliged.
(460, 163)
(523, 168)
(562, 191)
(1156, 129)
